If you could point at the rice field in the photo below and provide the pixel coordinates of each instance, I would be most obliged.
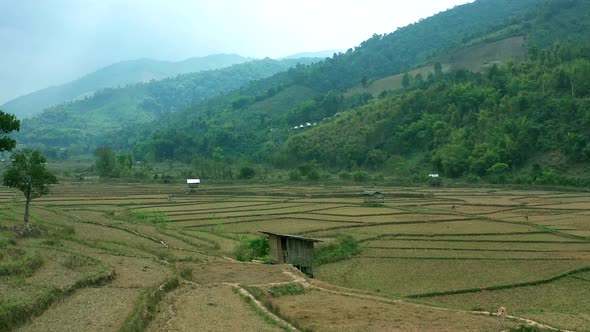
(463, 249)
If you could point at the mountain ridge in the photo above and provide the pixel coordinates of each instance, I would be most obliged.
(115, 75)
(79, 122)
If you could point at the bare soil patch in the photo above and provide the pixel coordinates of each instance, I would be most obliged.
(135, 272)
(240, 273)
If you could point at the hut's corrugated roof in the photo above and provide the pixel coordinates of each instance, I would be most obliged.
(291, 236)
(371, 193)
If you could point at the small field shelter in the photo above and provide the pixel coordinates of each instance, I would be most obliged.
(373, 198)
(192, 185)
(291, 249)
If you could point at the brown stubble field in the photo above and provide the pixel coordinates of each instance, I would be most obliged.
(141, 255)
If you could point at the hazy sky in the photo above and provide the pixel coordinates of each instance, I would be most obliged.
(49, 42)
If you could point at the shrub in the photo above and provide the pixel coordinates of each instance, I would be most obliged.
(434, 182)
(246, 173)
(313, 175)
(343, 248)
(249, 249)
(286, 289)
(294, 175)
(499, 168)
(344, 176)
(306, 168)
(378, 178)
(361, 176)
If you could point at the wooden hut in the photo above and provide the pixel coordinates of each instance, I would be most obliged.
(192, 185)
(291, 249)
(373, 198)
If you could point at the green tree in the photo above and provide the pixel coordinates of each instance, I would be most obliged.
(437, 69)
(406, 81)
(218, 154)
(106, 162)
(294, 175)
(29, 175)
(247, 173)
(8, 123)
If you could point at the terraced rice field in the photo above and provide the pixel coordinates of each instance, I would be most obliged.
(430, 255)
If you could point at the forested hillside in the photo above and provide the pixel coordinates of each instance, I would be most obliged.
(463, 123)
(247, 128)
(385, 55)
(245, 125)
(80, 123)
(113, 76)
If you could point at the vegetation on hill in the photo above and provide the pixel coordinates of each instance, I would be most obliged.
(462, 123)
(389, 54)
(80, 123)
(113, 76)
(254, 121)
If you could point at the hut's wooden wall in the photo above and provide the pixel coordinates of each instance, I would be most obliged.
(299, 252)
(274, 245)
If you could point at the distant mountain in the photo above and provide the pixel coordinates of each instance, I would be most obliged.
(319, 54)
(116, 75)
(80, 122)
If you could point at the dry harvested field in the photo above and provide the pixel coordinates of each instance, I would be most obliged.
(132, 257)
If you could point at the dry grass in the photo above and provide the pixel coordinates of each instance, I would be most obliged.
(319, 310)
(564, 303)
(414, 245)
(391, 276)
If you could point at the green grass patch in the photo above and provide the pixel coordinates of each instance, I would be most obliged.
(528, 328)
(147, 217)
(14, 312)
(6, 240)
(261, 296)
(286, 289)
(389, 276)
(30, 300)
(344, 247)
(112, 247)
(265, 316)
(186, 273)
(16, 262)
(146, 307)
(501, 287)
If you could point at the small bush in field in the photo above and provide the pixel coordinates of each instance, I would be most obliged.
(249, 249)
(343, 248)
